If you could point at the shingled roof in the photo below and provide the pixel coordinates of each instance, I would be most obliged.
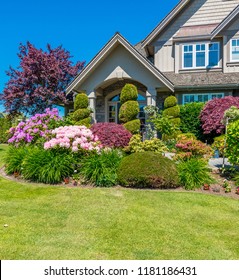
(201, 80)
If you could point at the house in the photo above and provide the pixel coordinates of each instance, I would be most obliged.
(193, 54)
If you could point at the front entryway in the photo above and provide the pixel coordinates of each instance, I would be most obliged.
(114, 106)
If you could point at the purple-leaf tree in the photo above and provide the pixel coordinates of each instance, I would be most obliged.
(40, 80)
(212, 114)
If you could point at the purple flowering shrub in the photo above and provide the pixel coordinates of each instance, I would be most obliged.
(76, 138)
(111, 134)
(213, 112)
(38, 126)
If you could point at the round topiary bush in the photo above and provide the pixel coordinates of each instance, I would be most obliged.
(148, 170)
(111, 134)
(81, 101)
(85, 122)
(128, 111)
(81, 114)
(170, 101)
(129, 92)
(133, 126)
(172, 111)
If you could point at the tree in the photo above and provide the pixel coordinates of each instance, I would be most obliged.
(212, 114)
(40, 80)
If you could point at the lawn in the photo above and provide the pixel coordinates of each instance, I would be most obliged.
(58, 222)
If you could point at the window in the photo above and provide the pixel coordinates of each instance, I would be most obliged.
(200, 97)
(201, 55)
(235, 50)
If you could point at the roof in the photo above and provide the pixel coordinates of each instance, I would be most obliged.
(201, 80)
(195, 31)
(164, 22)
(188, 31)
(104, 52)
(225, 22)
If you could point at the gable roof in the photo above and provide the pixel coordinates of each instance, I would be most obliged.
(225, 22)
(164, 22)
(104, 52)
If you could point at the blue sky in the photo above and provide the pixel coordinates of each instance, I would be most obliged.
(81, 27)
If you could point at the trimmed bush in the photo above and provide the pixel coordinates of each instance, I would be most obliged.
(85, 122)
(111, 134)
(190, 121)
(129, 92)
(100, 169)
(172, 112)
(81, 114)
(129, 111)
(147, 170)
(133, 126)
(81, 101)
(170, 101)
(193, 173)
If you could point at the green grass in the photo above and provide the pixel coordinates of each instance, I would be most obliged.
(54, 222)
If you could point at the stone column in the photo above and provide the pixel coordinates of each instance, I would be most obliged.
(151, 95)
(92, 99)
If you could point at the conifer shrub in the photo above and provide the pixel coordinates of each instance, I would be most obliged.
(170, 101)
(81, 101)
(147, 170)
(172, 110)
(82, 112)
(129, 92)
(190, 121)
(133, 126)
(111, 134)
(129, 108)
(129, 111)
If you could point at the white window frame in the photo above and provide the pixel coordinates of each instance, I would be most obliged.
(194, 52)
(201, 93)
(231, 59)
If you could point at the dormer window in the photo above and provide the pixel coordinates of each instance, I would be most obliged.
(235, 50)
(200, 55)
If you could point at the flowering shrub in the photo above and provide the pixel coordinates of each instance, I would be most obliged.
(111, 134)
(31, 130)
(212, 114)
(188, 148)
(73, 137)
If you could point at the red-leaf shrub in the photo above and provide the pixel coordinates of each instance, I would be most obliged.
(213, 112)
(111, 134)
